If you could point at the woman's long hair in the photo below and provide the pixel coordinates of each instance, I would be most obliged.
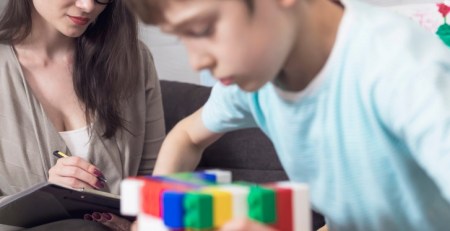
(106, 63)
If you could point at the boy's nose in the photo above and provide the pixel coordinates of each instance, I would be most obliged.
(85, 5)
(201, 61)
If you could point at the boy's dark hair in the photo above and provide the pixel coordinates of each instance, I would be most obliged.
(149, 11)
(106, 62)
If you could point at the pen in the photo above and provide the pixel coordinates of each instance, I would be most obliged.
(60, 154)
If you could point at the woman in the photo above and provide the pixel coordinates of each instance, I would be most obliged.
(74, 78)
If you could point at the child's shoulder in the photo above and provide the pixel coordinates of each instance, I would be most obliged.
(383, 44)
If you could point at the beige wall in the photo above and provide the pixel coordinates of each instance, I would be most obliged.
(170, 56)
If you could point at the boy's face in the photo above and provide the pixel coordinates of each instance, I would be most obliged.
(239, 45)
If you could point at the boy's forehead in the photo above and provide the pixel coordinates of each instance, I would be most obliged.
(178, 12)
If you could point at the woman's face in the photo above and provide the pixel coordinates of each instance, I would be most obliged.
(69, 17)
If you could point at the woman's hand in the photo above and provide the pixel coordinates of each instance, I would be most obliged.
(114, 222)
(245, 224)
(75, 172)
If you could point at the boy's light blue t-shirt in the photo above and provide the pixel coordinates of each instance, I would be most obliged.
(371, 134)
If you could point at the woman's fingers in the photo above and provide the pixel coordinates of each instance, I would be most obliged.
(80, 163)
(76, 173)
(110, 220)
(118, 223)
(81, 175)
(69, 182)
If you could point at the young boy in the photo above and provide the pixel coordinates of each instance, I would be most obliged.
(355, 99)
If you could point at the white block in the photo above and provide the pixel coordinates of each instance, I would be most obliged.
(301, 214)
(130, 198)
(240, 195)
(222, 176)
(150, 223)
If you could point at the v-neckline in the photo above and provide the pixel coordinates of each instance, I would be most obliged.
(34, 102)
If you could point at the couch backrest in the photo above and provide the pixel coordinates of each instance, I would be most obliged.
(248, 153)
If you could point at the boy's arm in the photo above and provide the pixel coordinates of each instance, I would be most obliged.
(417, 111)
(184, 145)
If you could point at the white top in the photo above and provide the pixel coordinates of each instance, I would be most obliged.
(77, 141)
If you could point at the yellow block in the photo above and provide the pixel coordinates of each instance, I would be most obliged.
(222, 205)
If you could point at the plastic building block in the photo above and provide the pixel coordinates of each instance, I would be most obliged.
(300, 204)
(222, 176)
(261, 203)
(209, 177)
(284, 208)
(191, 178)
(148, 222)
(239, 196)
(222, 205)
(151, 194)
(198, 210)
(130, 203)
(173, 212)
(191, 201)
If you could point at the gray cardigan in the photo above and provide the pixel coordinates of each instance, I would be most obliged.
(28, 138)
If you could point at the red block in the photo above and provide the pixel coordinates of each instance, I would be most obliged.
(151, 193)
(284, 208)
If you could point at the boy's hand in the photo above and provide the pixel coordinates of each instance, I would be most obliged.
(134, 226)
(242, 224)
(75, 172)
(245, 224)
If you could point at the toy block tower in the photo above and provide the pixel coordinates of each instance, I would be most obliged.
(207, 200)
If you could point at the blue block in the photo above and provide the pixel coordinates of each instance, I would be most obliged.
(207, 176)
(173, 211)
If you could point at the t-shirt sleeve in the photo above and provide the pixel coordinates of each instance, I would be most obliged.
(228, 109)
(417, 111)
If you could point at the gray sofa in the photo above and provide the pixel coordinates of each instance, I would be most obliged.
(248, 153)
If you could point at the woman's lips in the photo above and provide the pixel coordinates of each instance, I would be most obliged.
(79, 20)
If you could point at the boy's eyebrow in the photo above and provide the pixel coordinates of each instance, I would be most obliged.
(183, 21)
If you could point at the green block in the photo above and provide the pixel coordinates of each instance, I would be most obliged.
(198, 210)
(189, 178)
(262, 204)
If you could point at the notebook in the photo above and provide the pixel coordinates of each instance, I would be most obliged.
(47, 202)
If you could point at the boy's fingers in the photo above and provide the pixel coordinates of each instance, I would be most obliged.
(134, 226)
(244, 224)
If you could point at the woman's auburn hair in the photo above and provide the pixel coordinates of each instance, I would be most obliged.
(106, 63)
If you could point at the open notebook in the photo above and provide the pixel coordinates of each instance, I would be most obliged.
(47, 202)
